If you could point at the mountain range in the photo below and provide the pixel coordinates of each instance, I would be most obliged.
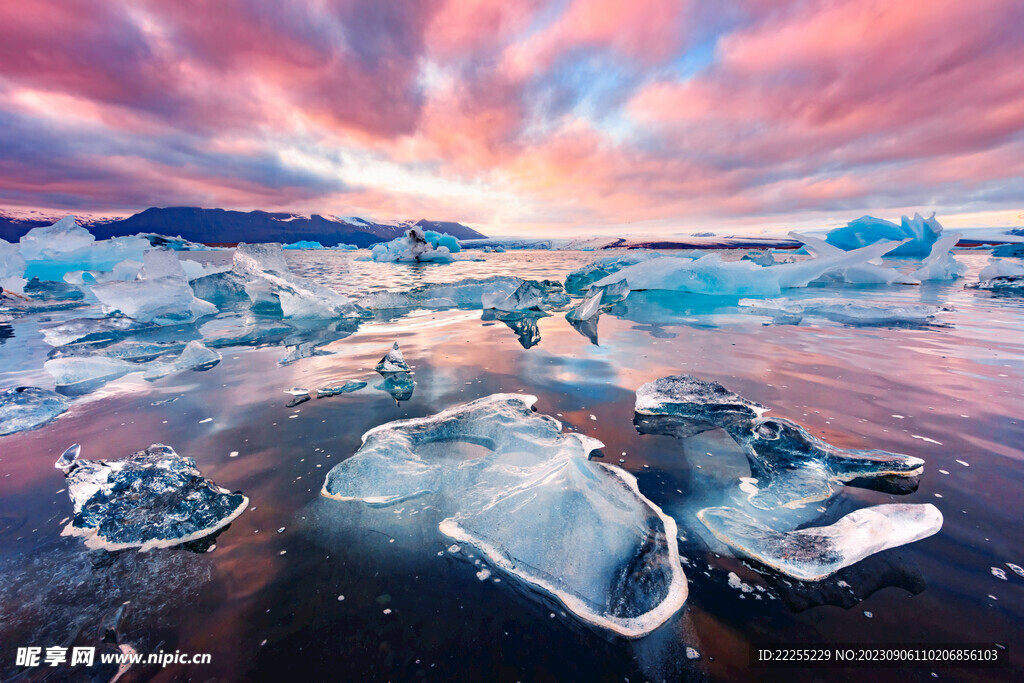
(222, 227)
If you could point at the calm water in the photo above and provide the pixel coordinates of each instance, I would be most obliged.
(266, 605)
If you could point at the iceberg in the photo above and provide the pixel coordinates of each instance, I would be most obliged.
(152, 499)
(815, 553)
(790, 466)
(52, 251)
(417, 246)
(350, 385)
(846, 311)
(393, 361)
(710, 274)
(506, 479)
(919, 232)
(25, 408)
(270, 284)
(303, 244)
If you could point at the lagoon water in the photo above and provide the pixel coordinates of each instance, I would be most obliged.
(303, 586)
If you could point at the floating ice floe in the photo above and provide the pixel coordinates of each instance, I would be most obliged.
(393, 361)
(814, 553)
(307, 244)
(918, 232)
(54, 250)
(506, 478)
(89, 329)
(1000, 276)
(847, 311)
(152, 499)
(25, 408)
(466, 293)
(349, 386)
(710, 274)
(160, 294)
(417, 246)
(789, 466)
(270, 284)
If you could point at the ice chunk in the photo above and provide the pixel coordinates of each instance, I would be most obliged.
(848, 311)
(80, 374)
(998, 267)
(579, 280)
(1000, 276)
(940, 263)
(507, 479)
(815, 553)
(393, 361)
(50, 242)
(465, 293)
(791, 467)
(695, 399)
(152, 499)
(586, 309)
(525, 297)
(163, 300)
(25, 408)
(303, 244)
(92, 329)
(920, 232)
(12, 268)
(860, 274)
(417, 246)
(195, 356)
(269, 283)
(711, 274)
(350, 385)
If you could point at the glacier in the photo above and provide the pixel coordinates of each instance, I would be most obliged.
(815, 553)
(154, 498)
(502, 474)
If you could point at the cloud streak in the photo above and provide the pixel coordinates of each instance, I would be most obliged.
(520, 117)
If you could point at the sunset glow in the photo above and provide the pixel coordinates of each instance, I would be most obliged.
(647, 116)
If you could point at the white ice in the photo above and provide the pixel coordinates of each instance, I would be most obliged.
(417, 246)
(586, 309)
(393, 361)
(525, 297)
(12, 268)
(160, 293)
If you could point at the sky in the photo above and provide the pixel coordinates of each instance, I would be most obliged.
(519, 118)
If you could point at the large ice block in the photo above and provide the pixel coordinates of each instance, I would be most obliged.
(508, 480)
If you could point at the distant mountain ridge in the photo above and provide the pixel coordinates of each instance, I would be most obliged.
(220, 226)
